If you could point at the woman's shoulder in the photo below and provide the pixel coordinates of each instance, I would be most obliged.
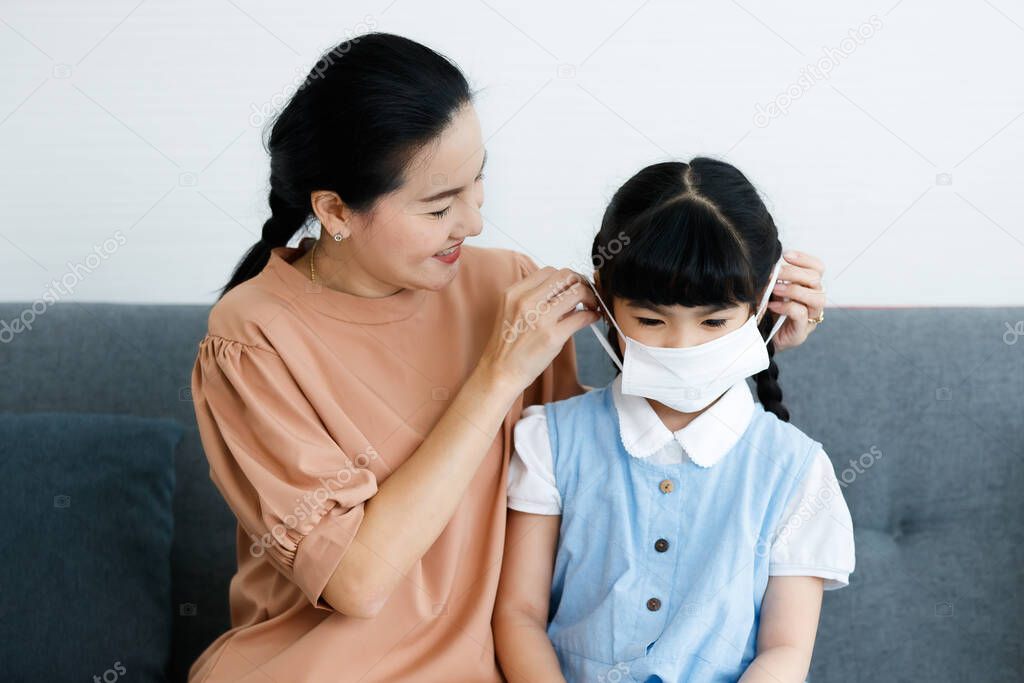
(498, 255)
(245, 312)
(497, 265)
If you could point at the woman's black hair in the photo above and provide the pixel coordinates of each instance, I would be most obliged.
(366, 107)
(694, 234)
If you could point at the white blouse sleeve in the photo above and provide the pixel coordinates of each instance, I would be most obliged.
(531, 476)
(815, 537)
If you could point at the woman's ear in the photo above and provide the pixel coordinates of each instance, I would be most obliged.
(333, 213)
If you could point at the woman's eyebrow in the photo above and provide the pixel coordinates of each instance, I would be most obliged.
(452, 191)
(441, 195)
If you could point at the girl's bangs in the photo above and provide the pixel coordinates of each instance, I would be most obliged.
(680, 253)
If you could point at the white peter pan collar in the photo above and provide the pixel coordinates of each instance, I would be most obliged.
(705, 440)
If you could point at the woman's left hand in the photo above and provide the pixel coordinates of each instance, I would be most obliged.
(800, 299)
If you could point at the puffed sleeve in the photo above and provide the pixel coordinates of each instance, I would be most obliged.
(559, 380)
(815, 537)
(531, 476)
(298, 496)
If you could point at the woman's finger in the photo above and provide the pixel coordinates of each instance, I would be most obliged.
(796, 328)
(565, 303)
(802, 276)
(569, 285)
(793, 310)
(558, 294)
(813, 300)
(805, 260)
(532, 280)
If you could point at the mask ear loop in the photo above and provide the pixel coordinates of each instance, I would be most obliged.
(767, 296)
(597, 333)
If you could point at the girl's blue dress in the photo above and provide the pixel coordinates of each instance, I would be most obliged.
(661, 568)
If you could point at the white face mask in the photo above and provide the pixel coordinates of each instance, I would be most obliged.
(689, 379)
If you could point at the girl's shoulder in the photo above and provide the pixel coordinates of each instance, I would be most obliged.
(789, 446)
(594, 398)
(537, 415)
(595, 404)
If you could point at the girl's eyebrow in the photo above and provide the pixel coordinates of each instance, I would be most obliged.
(663, 310)
(647, 305)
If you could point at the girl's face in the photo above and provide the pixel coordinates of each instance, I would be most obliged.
(676, 326)
(396, 244)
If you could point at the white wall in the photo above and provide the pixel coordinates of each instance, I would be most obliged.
(133, 122)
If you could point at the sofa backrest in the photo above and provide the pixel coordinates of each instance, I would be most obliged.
(921, 411)
(136, 359)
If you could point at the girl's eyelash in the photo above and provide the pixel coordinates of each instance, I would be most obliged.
(714, 322)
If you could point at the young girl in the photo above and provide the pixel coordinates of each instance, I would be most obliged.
(665, 528)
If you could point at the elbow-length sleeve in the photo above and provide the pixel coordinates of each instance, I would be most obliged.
(559, 379)
(298, 496)
(531, 470)
(815, 536)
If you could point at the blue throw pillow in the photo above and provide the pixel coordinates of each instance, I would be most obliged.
(85, 584)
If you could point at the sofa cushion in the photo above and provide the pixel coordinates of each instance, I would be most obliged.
(86, 583)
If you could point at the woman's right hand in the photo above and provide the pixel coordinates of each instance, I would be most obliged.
(535, 319)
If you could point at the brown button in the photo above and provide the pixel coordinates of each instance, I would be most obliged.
(661, 545)
(666, 486)
(654, 604)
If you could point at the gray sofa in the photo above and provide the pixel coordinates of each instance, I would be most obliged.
(927, 403)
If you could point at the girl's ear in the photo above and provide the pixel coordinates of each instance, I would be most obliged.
(596, 280)
(771, 286)
(605, 313)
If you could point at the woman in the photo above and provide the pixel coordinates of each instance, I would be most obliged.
(356, 394)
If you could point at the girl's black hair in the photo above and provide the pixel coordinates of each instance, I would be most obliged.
(366, 107)
(694, 234)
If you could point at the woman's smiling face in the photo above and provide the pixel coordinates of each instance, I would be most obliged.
(395, 244)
